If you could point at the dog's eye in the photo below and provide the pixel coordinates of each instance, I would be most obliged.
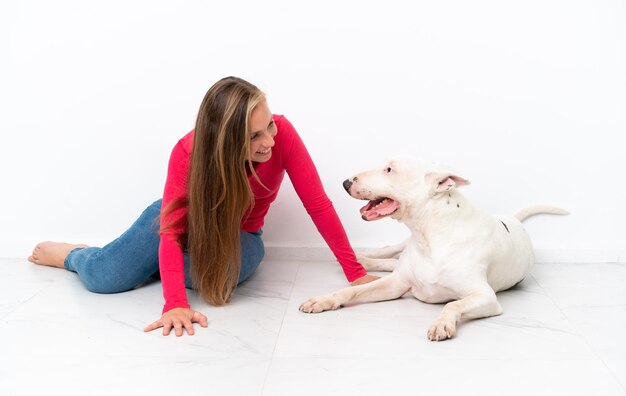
(388, 170)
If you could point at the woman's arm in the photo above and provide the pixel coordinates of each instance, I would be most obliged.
(171, 259)
(308, 186)
(176, 312)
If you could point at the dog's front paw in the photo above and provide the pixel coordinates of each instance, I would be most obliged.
(441, 330)
(318, 304)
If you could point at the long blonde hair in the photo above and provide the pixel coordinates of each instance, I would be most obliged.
(219, 193)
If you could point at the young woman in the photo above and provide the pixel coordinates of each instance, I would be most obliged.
(205, 233)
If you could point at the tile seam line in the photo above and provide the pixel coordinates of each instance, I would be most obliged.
(280, 329)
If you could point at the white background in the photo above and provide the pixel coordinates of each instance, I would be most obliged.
(526, 99)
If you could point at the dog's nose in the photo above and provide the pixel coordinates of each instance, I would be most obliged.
(346, 184)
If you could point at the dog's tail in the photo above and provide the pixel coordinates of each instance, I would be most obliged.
(539, 209)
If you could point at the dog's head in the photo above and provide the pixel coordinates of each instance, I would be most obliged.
(400, 186)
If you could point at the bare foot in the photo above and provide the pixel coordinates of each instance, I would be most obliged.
(52, 254)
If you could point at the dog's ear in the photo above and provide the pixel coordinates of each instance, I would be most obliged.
(444, 181)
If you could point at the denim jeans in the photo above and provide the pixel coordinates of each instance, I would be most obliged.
(133, 258)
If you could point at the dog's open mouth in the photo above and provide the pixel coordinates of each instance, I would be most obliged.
(379, 208)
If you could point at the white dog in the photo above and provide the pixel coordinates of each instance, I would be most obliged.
(456, 252)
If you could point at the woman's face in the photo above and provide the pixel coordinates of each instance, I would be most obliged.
(262, 133)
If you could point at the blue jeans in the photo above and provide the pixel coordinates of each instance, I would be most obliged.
(133, 258)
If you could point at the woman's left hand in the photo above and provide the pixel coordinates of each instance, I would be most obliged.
(364, 279)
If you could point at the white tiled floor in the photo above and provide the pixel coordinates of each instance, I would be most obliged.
(562, 333)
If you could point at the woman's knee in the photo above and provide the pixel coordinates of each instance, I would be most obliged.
(108, 279)
(105, 283)
(252, 253)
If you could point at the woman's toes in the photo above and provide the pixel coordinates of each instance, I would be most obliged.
(49, 253)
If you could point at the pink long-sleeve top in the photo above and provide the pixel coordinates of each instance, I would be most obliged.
(288, 154)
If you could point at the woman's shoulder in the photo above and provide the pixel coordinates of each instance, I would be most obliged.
(284, 127)
(185, 144)
(183, 148)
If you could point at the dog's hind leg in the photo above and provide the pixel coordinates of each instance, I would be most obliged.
(480, 304)
(385, 252)
(386, 288)
(382, 259)
(377, 264)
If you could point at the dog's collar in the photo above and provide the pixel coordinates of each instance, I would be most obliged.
(507, 228)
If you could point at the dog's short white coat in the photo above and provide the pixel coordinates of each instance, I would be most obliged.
(456, 253)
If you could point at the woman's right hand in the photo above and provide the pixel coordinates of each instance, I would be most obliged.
(178, 318)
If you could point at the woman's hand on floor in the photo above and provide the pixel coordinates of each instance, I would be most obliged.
(364, 279)
(178, 318)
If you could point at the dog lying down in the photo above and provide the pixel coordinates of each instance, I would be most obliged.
(456, 253)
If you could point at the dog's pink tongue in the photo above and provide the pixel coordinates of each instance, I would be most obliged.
(386, 207)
